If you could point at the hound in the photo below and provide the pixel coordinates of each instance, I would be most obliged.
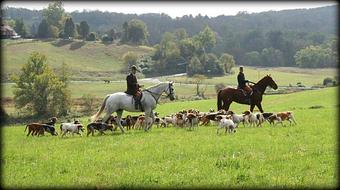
(237, 119)
(225, 122)
(192, 120)
(250, 118)
(288, 115)
(101, 127)
(71, 127)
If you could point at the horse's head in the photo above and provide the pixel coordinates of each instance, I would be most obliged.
(170, 91)
(271, 82)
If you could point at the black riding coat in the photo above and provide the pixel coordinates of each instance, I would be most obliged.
(241, 80)
(132, 85)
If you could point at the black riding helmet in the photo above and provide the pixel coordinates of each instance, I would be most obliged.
(133, 67)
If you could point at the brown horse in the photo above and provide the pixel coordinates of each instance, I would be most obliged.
(228, 95)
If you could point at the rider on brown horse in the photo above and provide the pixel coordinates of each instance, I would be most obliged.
(242, 84)
(133, 88)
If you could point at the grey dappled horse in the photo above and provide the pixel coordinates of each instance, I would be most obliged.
(120, 101)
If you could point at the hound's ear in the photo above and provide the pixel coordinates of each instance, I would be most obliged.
(171, 82)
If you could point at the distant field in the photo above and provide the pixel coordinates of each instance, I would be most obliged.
(99, 90)
(298, 156)
(86, 60)
(283, 76)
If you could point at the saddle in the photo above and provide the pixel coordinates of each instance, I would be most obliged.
(136, 100)
(244, 92)
(246, 96)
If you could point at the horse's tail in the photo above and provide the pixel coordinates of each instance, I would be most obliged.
(219, 100)
(95, 116)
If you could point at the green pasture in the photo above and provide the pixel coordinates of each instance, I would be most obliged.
(283, 76)
(86, 60)
(100, 89)
(298, 156)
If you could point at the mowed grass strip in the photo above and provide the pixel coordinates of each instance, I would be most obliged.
(303, 155)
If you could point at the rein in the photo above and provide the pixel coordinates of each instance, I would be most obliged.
(260, 87)
(159, 95)
(152, 94)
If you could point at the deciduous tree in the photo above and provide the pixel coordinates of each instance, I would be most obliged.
(39, 89)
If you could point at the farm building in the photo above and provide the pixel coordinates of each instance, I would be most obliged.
(8, 32)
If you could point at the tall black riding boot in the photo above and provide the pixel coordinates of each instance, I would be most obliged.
(136, 102)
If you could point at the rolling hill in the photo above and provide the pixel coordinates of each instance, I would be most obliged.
(86, 60)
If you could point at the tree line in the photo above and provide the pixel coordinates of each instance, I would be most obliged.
(282, 38)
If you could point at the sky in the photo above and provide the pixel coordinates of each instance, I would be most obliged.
(175, 8)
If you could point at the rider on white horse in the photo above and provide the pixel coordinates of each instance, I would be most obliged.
(133, 88)
(120, 101)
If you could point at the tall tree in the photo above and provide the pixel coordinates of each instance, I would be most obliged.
(69, 29)
(84, 29)
(227, 62)
(315, 56)
(180, 34)
(43, 31)
(20, 27)
(54, 14)
(34, 29)
(252, 58)
(125, 32)
(187, 47)
(207, 39)
(275, 39)
(137, 32)
(272, 57)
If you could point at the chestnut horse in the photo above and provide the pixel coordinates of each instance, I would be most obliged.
(228, 95)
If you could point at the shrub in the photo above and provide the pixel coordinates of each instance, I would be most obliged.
(328, 81)
(219, 86)
(91, 37)
(106, 38)
(88, 103)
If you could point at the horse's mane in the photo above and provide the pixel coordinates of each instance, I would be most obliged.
(154, 86)
(264, 78)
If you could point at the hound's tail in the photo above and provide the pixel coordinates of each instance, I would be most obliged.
(61, 128)
(219, 100)
(95, 116)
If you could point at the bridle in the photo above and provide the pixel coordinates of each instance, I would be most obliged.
(160, 94)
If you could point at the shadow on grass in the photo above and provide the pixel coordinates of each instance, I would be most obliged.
(60, 43)
(76, 45)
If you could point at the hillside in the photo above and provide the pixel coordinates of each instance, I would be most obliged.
(86, 60)
(303, 20)
(269, 38)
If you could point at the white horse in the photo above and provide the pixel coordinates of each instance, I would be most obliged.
(120, 101)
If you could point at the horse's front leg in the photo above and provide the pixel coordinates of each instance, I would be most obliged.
(153, 118)
(118, 120)
(260, 107)
(148, 114)
(226, 105)
(252, 107)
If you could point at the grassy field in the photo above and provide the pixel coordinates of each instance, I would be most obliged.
(297, 156)
(185, 90)
(283, 76)
(86, 60)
